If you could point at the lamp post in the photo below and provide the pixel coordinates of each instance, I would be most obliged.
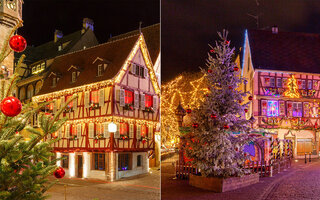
(180, 113)
(112, 128)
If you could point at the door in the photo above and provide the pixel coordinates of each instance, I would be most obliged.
(80, 166)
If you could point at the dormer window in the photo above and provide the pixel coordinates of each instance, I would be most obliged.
(54, 82)
(74, 77)
(100, 70)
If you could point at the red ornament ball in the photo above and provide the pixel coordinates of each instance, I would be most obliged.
(143, 141)
(211, 50)
(11, 106)
(240, 101)
(250, 98)
(59, 173)
(209, 70)
(195, 125)
(227, 42)
(245, 110)
(236, 68)
(213, 116)
(230, 87)
(188, 110)
(48, 114)
(226, 126)
(17, 43)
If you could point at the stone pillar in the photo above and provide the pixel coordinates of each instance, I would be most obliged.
(317, 142)
(112, 166)
(72, 162)
(86, 165)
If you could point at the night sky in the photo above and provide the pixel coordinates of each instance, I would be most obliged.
(42, 17)
(188, 26)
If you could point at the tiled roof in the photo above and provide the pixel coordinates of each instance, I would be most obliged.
(115, 52)
(285, 51)
(151, 35)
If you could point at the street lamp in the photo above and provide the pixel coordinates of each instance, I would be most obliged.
(112, 127)
(180, 113)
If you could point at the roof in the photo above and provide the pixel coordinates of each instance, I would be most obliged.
(151, 35)
(115, 52)
(50, 49)
(285, 51)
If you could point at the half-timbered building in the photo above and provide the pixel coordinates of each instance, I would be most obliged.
(114, 82)
(283, 76)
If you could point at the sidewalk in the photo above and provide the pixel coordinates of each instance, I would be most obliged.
(267, 188)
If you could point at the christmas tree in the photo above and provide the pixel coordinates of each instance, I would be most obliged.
(25, 163)
(292, 91)
(213, 145)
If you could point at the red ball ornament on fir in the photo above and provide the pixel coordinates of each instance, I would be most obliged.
(11, 106)
(236, 68)
(17, 43)
(212, 51)
(230, 87)
(213, 116)
(144, 141)
(245, 110)
(209, 70)
(226, 126)
(227, 42)
(250, 98)
(188, 110)
(195, 125)
(59, 173)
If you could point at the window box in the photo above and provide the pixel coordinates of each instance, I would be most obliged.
(144, 139)
(68, 109)
(73, 137)
(128, 107)
(124, 137)
(94, 106)
(148, 109)
(99, 136)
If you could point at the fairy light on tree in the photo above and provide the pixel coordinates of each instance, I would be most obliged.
(292, 91)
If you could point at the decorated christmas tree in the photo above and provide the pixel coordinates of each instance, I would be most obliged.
(25, 163)
(219, 133)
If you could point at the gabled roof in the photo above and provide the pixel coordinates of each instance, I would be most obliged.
(151, 35)
(285, 51)
(50, 49)
(116, 52)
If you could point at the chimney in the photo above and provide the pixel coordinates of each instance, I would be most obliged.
(87, 23)
(274, 29)
(57, 35)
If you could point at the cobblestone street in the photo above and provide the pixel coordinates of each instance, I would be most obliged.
(146, 186)
(302, 181)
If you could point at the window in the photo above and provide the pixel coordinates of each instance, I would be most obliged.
(65, 161)
(22, 93)
(124, 129)
(50, 106)
(297, 109)
(139, 159)
(137, 70)
(279, 82)
(73, 130)
(272, 83)
(100, 69)
(128, 97)
(124, 162)
(303, 84)
(273, 109)
(148, 101)
(94, 97)
(54, 82)
(29, 91)
(310, 84)
(70, 105)
(59, 48)
(144, 131)
(74, 77)
(142, 72)
(99, 161)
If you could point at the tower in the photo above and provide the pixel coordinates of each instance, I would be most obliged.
(10, 16)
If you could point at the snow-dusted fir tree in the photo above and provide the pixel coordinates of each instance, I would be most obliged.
(212, 144)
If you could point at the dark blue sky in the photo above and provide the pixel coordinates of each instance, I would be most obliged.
(42, 17)
(188, 26)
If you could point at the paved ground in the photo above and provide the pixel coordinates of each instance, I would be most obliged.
(146, 187)
(300, 182)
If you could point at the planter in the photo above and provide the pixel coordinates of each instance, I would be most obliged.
(218, 184)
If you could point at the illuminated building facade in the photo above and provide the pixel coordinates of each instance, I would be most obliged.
(115, 82)
(283, 76)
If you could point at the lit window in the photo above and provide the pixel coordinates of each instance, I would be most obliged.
(70, 105)
(59, 48)
(124, 129)
(94, 97)
(99, 161)
(279, 82)
(273, 109)
(297, 109)
(148, 101)
(123, 162)
(74, 76)
(50, 106)
(143, 131)
(310, 84)
(100, 68)
(272, 83)
(73, 130)
(128, 97)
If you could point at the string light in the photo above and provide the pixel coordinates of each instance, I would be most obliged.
(292, 91)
